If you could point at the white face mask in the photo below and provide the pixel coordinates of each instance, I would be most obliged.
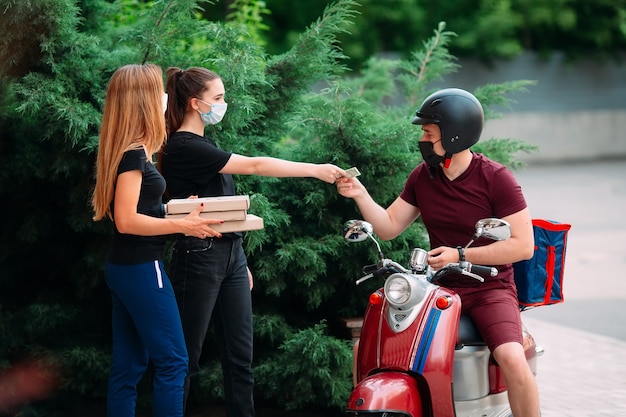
(215, 115)
(164, 102)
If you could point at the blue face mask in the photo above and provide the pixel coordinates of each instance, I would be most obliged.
(215, 115)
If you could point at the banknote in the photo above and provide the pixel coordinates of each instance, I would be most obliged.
(352, 172)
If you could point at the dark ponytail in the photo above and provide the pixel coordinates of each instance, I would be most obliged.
(181, 86)
(175, 103)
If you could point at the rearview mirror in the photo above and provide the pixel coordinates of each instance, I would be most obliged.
(492, 228)
(357, 230)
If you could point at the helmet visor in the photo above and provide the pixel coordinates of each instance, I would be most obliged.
(425, 118)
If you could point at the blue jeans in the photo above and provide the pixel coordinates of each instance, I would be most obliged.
(146, 326)
(210, 278)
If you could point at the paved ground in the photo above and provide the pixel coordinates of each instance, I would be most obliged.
(581, 374)
(583, 371)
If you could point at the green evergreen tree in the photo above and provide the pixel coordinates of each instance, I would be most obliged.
(302, 105)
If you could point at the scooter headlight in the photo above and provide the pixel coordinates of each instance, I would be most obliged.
(397, 289)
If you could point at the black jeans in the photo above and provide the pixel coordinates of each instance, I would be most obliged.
(210, 277)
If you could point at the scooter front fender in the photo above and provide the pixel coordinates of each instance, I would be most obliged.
(386, 392)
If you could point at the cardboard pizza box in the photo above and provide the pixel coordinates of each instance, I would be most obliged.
(227, 216)
(224, 203)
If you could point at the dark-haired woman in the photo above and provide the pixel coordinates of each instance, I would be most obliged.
(210, 276)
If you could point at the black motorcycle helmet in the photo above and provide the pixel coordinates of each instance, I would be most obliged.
(458, 114)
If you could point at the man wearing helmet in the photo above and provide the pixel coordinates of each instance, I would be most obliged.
(451, 190)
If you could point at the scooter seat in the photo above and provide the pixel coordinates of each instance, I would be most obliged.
(468, 333)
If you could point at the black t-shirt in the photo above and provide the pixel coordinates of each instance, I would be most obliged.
(191, 165)
(130, 249)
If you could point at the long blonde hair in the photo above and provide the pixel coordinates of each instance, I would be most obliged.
(132, 118)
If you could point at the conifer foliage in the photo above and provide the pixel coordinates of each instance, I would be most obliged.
(301, 105)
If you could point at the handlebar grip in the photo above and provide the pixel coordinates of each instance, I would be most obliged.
(483, 271)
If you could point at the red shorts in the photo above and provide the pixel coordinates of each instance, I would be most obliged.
(496, 313)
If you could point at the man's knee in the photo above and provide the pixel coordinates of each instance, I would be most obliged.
(510, 356)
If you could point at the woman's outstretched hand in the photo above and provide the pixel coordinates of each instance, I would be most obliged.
(328, 173)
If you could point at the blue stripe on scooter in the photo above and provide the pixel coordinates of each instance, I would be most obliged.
(427, 338)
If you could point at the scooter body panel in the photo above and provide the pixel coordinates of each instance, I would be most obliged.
(434, 354)
(431, 337)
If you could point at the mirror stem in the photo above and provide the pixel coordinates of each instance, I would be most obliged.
(380, 252)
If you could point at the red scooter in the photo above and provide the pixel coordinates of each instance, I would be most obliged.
(417, 355)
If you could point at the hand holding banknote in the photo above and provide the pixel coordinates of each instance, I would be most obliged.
(348, 185)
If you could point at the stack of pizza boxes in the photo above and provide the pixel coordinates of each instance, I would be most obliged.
(232, 209)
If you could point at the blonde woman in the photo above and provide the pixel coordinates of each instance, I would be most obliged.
(129, 190)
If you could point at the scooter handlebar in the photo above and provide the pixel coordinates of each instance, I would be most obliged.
(382, 269)
(370, 269)
(483, 271)
(363, 279)
(478, 272)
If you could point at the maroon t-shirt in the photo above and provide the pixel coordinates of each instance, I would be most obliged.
(450, 209)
